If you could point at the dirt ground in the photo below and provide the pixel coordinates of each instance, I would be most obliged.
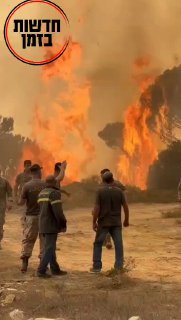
(150, 287)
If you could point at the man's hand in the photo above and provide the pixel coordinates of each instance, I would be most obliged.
(64, 165)
(126, 223)
(95, 226)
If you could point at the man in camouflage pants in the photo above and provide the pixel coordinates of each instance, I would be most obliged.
(29, 197)
(20, 181)
(5, 191)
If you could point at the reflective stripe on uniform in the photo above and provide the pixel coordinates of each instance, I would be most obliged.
(43, 200)
(45, 193)
(56, 201)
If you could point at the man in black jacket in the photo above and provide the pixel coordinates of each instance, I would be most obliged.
(52, 221)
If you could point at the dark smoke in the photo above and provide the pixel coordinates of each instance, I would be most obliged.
(112, 134)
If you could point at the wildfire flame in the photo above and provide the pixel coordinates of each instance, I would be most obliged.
(61, 131)
(140, 147)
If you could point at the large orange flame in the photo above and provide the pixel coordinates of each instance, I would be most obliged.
(61, 130)
(140, 147)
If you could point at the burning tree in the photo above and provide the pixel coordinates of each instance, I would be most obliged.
(150, 123)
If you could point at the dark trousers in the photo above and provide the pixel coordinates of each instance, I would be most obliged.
(49, 255)
(116, 234)
(107, 240)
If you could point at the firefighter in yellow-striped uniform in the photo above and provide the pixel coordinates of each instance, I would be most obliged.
(52, 221)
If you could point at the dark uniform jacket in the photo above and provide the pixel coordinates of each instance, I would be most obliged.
(52, 219)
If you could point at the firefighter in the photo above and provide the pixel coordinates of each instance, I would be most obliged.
(52, 221)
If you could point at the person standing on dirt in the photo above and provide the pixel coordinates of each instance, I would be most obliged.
(29, 196)
(118, 184)
(107, 219)
(22, 178)
(52, 221)
(5, 203)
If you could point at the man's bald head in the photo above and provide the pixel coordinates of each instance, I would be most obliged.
(50, 181)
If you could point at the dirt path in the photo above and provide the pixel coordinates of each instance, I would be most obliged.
(151, 287)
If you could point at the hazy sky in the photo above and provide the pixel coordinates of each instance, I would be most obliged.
(112, 33)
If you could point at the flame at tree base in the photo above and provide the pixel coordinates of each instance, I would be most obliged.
(139, 150)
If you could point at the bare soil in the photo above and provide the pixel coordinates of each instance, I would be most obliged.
(150, 287)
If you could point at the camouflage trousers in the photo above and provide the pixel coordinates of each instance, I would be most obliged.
(2, 221)
(30, 234)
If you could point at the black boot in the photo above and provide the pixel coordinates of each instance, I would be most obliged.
(59, 273)
(24, 266)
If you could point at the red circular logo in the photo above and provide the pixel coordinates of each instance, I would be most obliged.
(33, 28)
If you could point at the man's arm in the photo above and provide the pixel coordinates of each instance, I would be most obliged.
(6, 172)
(9, 192)
(96, 211)
(65, 192)
(9, 189)
(56, 203)
(126, 211)
(61, 175)
(23, 197)
(17, 184)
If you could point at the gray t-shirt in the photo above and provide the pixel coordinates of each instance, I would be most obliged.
(109, 201)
